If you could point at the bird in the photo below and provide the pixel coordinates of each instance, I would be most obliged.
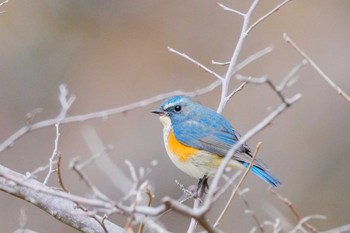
(197, 139)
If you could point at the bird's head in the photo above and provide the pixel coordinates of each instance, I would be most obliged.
(176, 109)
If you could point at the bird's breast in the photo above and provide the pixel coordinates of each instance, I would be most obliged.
(181, 151)
(192, 161)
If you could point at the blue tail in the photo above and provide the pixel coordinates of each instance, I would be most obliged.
(264, 175)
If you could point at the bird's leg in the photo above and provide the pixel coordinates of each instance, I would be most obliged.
(202, 187)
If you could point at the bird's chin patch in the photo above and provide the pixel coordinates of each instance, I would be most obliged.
(165, 120)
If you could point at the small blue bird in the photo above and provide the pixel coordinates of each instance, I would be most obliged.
(197, 139)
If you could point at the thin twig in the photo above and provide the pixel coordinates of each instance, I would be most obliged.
(235, 189)
(96, 156)
(248, 60)
(75, 166)
(253, 80)
(54, 154)
(293, 210)
(150, 201)
(195, 62)
(291, 76)
(275, 225)
(277, 91)
(253, 57)
(230, 9)
(315, 66)
(264, 80)
(227, 184)
(267, 15)
(341, 229)
(250, 211)
(66, 101)
(38, 170)
(237, 89)
(303, 222)
(59, 175)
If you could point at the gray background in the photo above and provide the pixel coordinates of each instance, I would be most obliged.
(111, 53)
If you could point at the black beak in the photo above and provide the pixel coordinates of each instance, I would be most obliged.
(158, 111)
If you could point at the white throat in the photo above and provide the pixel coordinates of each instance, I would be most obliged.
(165, 120)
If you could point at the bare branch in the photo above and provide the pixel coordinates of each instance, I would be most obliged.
(96, 156)
(250, 211)
(227, 184)
(291, 76)
(38, 170)
(275, 225)
(195, 62)
(65, 102)
(299, 227)
(237, 89)
(150, 201)
(60, 180)
(252, 80)
(244, 32)
(315, 66)
(230, 9)
(53, 156)
(102, 114)
(233, 61)
(341, 229)
(62, 208)
(248, 60)
(268, 82)
(277, 89)
(267, 15)
(253, 57)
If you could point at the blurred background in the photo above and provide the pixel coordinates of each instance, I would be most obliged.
(112, 53)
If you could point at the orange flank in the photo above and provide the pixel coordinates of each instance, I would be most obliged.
(182, 151)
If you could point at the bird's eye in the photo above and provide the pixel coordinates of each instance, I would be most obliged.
(177, 108)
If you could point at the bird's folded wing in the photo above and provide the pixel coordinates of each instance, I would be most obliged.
(214, 140)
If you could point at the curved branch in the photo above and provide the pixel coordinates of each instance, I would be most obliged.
(62, 209)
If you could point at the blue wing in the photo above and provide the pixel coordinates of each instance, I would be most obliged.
(218, 140)
(212, 136)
